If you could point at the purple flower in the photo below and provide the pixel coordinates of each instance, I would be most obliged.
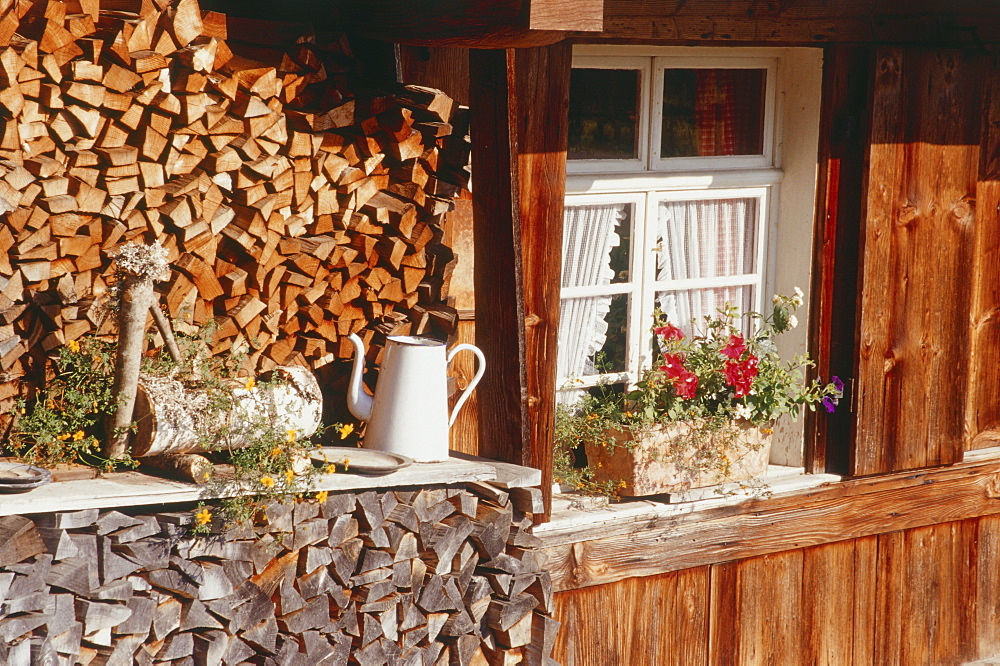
(829, 404)
(837, 384)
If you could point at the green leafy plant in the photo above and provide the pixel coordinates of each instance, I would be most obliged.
(64, 422)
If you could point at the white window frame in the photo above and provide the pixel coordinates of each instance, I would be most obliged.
(786, 174)
(641, 162)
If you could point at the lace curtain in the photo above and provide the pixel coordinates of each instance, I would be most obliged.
(705, 239)
(588, 238)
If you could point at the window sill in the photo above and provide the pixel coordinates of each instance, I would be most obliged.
(136, 489)
(579, 518)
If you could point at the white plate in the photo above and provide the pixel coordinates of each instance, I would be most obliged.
(19, 473)
(360, 461)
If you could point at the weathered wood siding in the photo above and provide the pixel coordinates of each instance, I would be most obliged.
(927, 595)
(918, 253)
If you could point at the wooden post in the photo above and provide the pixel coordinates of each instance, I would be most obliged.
(520, 101)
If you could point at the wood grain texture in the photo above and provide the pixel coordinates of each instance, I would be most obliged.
(982, 416)
(665, 616)
(810, 21)
(918, 250)
(769, 629)
(542, 93)
(850, 510)
(988, 592)
(503, 416)
(865, 571)
(828, 574)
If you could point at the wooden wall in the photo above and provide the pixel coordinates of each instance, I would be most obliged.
(928, 595)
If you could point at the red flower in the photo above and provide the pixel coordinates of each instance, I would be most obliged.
(741, 375)
(686, 385)
(669, 332)
(735, 347)
(685, 381)
(673, 365)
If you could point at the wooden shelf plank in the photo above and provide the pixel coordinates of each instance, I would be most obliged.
(135, 489)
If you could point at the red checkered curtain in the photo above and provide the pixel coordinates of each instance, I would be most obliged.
(715, 112)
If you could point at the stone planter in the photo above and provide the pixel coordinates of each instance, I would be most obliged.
(672, 457)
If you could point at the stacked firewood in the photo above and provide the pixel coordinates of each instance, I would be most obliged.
(294, 209)
(435, 576)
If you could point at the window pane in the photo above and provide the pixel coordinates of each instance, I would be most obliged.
(592, 336)
(683, 307)
(707, 238)
(709, 112)
(603, 114)
(596, 244)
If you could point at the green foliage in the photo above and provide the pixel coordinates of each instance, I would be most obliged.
(65, 422)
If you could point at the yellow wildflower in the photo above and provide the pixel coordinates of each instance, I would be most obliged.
(346, 430)
(622, 484)
(267, 481)
(73, 346)
(591, 417)
(628, 414)
(347, 464)
(331, 469)
(50, 404)
(78, 435)
(63, 437)
(203, 517)
(276, 451)
(95, 406)
(291, 435)
(250, 384)
(321, 496)
(289, 476)
(766, 431)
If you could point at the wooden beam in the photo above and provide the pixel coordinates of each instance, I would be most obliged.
(520, 100)
(478, 23)
(969, 22)
(847, 510)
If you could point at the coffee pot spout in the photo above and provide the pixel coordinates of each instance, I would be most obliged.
(358, 401)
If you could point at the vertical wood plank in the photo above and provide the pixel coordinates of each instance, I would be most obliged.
(828, 589)
(921, 202)
(890, 585)
(659, 620)
(884, 164)
(770, 611)
(843, 129)
(724, 617)
(865, 601)
(542, 92)
(982, 417)
(987, 589)
(503, 416)
(688, 638)
(938, 618)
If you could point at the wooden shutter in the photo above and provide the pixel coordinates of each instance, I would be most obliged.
(914, 341)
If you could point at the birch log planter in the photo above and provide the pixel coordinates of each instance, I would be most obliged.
(174, 419)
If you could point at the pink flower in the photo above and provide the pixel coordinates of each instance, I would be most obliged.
(735, 347)
(741, 375)
(669, 332)
(673, 365)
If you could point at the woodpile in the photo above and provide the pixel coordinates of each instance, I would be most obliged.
(294, 208)
(435, 576)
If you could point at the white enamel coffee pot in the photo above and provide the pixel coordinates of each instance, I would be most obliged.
(409, 412)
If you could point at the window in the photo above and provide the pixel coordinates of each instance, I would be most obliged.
(681, 195)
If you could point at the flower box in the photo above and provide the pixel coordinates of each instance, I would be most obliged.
(676, 456)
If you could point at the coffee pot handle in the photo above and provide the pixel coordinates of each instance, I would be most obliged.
(475, 379)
